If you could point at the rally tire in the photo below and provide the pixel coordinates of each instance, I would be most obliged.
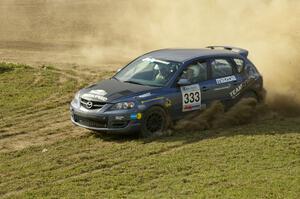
(155, 120)
(250, 94)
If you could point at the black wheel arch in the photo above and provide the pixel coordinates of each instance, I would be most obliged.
(252, 92)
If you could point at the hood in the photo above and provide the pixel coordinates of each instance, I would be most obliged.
(109, 90)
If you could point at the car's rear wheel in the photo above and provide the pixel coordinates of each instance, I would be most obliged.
(154, 121)
(250, 94)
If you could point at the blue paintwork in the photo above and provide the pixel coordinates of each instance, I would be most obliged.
(169, 97)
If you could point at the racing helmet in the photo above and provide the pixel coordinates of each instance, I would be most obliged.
(193, 72)
(163, 71)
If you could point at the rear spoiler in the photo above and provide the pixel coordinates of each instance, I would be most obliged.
(240, 51)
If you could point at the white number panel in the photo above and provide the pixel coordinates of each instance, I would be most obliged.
(191, 97)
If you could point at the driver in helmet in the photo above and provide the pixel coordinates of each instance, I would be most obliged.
(162, 73)
(191, 73)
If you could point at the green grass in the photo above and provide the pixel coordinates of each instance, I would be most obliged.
(23, 86)
(259, 160)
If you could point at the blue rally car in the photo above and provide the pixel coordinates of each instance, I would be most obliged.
(163, 86)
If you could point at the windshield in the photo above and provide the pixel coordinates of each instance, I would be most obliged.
(148, 71)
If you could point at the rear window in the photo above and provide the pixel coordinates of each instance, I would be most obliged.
(221, 68)
(250, 69)
(240, 64)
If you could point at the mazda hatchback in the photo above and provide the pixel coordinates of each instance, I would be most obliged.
(163, 86)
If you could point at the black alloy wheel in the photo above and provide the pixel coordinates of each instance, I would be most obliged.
(154, 120)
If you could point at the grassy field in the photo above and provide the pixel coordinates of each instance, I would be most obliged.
(43, 155)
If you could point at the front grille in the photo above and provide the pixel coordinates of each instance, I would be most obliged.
(95, 104)
(97, 123)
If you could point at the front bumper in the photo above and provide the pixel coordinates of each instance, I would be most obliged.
(111, 122)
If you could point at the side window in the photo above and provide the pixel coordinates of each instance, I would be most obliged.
(196, 72)
(221, 68)
(251, 70)
(240, 64)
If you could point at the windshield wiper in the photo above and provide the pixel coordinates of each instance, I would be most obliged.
(133, 82)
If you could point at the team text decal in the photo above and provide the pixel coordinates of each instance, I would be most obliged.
(226, 79)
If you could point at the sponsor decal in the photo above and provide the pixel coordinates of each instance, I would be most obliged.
(149, 59)
(93, 96)
(226, 79)
(237, 91)
(144, 95)
(98, 92)
(136, 116)
(191, 97)
(168, 103)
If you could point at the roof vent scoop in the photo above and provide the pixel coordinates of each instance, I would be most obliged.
(240, 51)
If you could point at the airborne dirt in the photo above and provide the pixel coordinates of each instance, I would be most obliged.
(245, 111)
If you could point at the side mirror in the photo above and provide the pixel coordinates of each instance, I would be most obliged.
(184, 82)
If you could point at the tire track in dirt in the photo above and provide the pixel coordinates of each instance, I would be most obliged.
(40, 127)
(37, 124)
(43, 137)
(17, 118)
(47, 121)
(103, 167)
(44, 125)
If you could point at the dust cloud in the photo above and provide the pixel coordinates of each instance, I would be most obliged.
(112, 32)
(247, 110)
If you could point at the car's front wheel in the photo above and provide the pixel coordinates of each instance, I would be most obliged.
(154, 121)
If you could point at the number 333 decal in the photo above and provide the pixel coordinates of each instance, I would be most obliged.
(191, 97)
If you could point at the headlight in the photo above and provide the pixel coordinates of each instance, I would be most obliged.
(76, 99)
(123, 105)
